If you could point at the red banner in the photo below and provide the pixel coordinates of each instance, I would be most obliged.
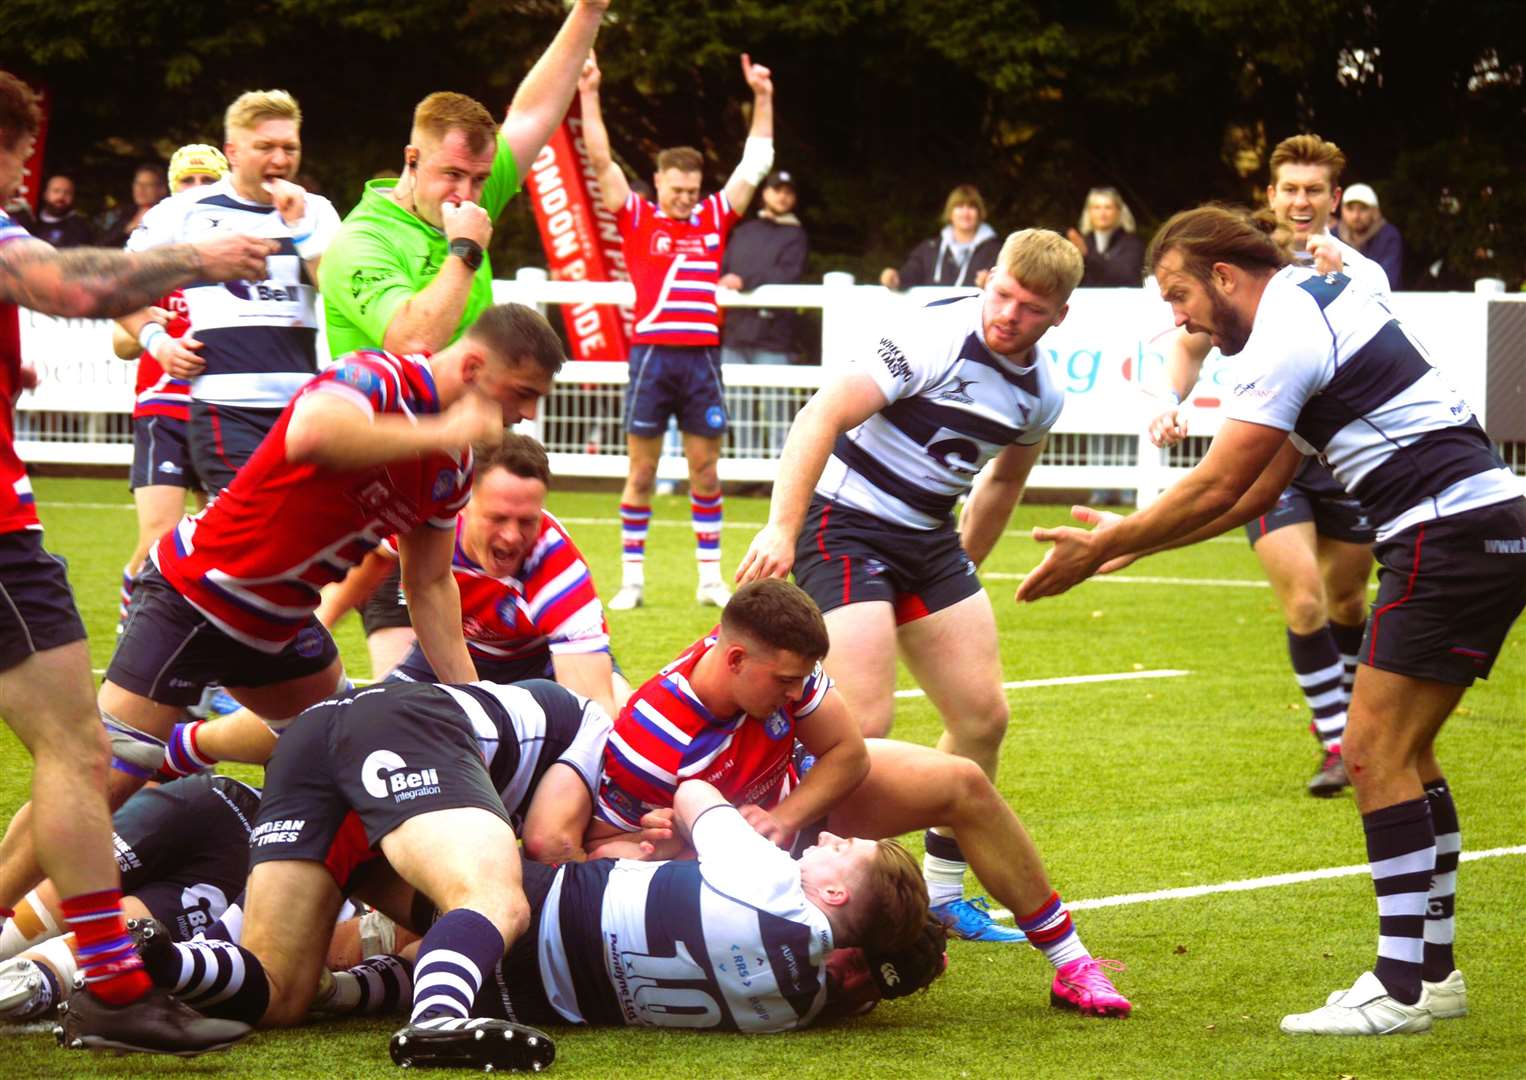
(581, 240)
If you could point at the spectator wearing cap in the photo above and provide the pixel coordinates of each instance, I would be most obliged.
(1113, 255)
(1363, 227)
(770, 249)
(962, 252)
(58, 222)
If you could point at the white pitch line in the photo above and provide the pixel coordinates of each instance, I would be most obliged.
(1144, 579)
(1191, 892)
(1073, 680)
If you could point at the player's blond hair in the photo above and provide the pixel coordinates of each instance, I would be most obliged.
(252, 108)
(1044, 261)
(897, 905)
(1308, 150)
(445, 111)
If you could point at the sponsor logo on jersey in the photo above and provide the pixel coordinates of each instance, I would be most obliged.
(169, 467)
(1511, 546)
(385, 773)
(959, 391)
(284, 831)
(662, 244)
(777, 726)
(201, 905)
(444, 482)
(893, 359)
(309, 642)
(127, 858)
(873, 567)
(1251, 390)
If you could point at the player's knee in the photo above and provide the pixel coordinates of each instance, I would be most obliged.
(1305, 611)
(704, 477)
(985, 726)
(643, 476)
(1350, 608)
(969, 790)
(876, 722)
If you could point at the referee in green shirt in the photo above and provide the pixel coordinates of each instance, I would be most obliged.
(408, 270)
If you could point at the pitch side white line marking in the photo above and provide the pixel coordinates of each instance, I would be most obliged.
(1073, 680)
(1190, 892)
(1144, 579)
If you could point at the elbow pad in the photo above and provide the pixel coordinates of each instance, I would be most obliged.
(757, 159)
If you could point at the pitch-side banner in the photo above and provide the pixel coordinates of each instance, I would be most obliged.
(580, 238)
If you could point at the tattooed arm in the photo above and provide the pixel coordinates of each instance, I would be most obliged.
(101, 282)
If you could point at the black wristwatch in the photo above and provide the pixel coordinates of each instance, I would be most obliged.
(468, 251)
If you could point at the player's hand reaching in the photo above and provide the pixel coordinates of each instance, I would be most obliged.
(290, 199)
(177, 356)
(1326, 253)
(467, 221)
(758, 77)
(235, 257)
(771, 555)
(1169, 428)
(1073, 558)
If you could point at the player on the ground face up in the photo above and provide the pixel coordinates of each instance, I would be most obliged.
(863, 510)
(1324, 367)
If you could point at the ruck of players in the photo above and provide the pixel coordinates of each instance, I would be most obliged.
(508, 834)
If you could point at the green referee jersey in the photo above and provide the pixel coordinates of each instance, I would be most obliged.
(383, 255)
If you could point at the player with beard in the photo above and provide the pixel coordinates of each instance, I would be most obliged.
(1316, 543)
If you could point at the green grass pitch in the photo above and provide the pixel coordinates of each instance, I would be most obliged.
(1127, 787)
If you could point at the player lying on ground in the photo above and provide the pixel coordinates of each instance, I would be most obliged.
(728, 711)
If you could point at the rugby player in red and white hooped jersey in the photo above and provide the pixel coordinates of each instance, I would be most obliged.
(528, 605)
(44, 663)
(673, 251)
(376, 445)
(161, 462)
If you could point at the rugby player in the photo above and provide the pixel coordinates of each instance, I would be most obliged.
(1326, 368)
(436, 778)
(1315, 544)
(257, 340)
(673, 250)
(161, 470)
(45, 683)
(376, 445)
(729, 711)
(863, 511)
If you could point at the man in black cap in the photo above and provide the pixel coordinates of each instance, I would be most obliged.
(768, 250)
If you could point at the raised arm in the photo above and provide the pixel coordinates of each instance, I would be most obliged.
(614, 189)
(335, 433)
(542, 99)
(758, 155)
(94, 283)
(842, 404)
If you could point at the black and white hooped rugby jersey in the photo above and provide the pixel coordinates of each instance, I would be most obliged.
(953, 405)
(1330, 364)
(525, 728)
(259, 338)
(728, 941)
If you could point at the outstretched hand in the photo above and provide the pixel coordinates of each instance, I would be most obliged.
(771, 555)
(588, 81)
(1074, 557)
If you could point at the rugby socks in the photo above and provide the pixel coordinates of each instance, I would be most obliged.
(454, 957)
(1317, 666)
(107, 959)
(1440, 925)
(634, 522)
(943, 868)
(216, 978)
(1051, 931)
(1348, 640)
(1401, 846)
(706, 511)
(230, 926)
(182, 754)
(373, 987)
(30, 923)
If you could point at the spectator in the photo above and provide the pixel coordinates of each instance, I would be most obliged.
(148, 189)
(1113, 255)
(768, 250)
(57, 222)
(1363, 226)
(960, 254)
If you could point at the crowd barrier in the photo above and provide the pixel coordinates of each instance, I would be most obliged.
(1106, 355)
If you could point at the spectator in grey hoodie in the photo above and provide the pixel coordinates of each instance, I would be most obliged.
(960, 254)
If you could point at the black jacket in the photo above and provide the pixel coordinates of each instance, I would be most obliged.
(71, 230)
(932, 262)
(1122, 264)
(764, 251)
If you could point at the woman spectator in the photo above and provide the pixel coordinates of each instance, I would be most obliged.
(959, 255)
(1114, 256)
(148, 188)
